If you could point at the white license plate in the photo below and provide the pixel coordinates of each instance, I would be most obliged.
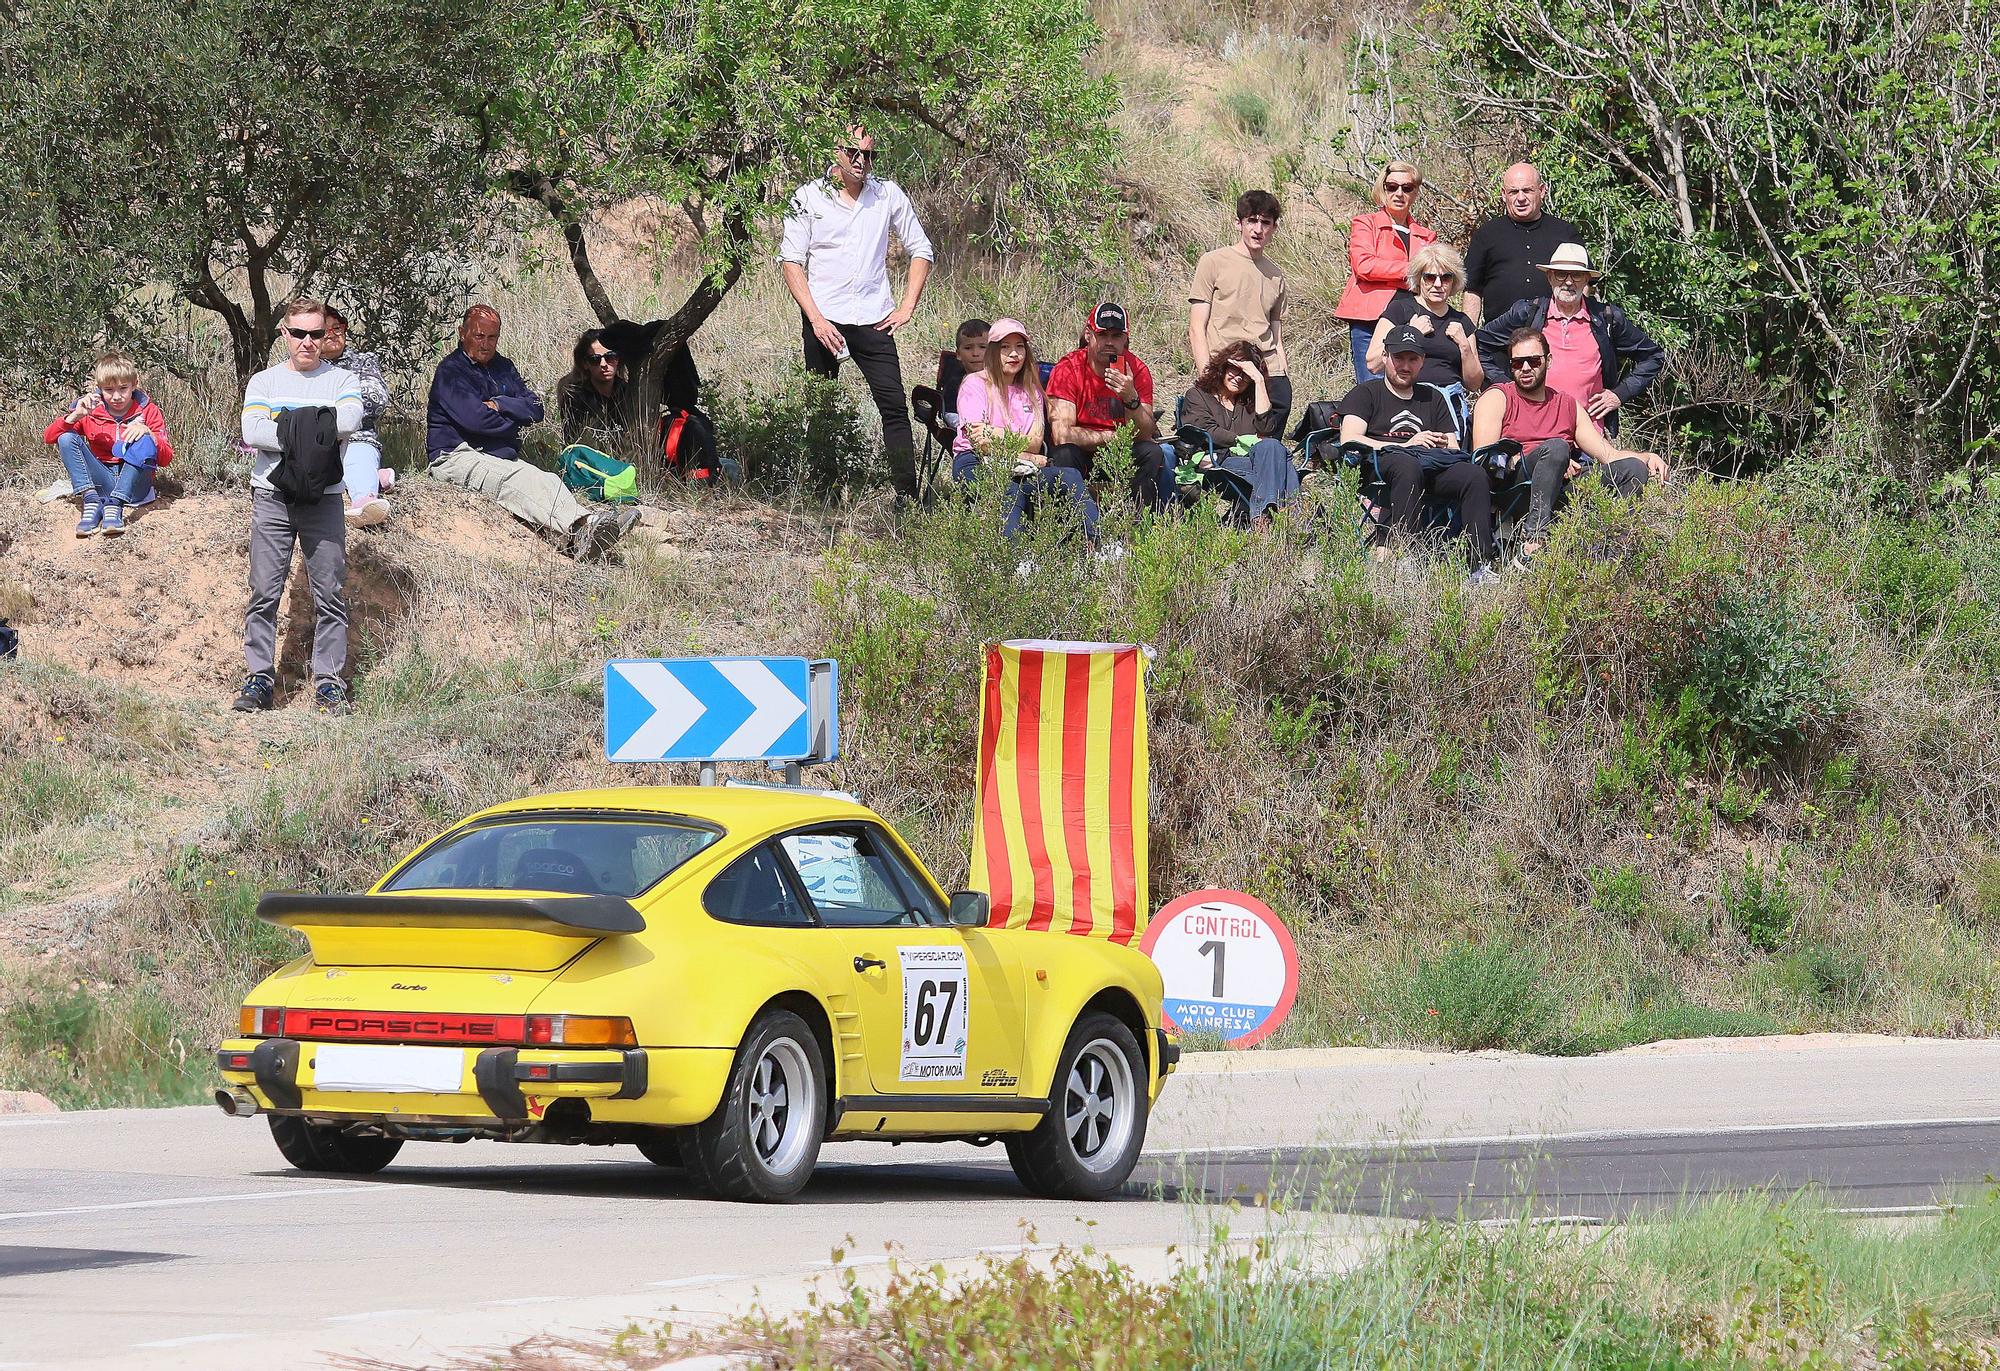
(366, 1067)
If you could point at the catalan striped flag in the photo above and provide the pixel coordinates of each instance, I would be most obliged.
(1059, 844)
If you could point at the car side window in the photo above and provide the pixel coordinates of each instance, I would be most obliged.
(855, 881)
(756, 889)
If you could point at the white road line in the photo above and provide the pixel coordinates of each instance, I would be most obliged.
(1010, 1248)
(521, 1300)
(366, 1315)
(683, 1282)
(882, 1260)
(191, 1340)
(294, 1193)
(28, 1122)
(1589, 1135)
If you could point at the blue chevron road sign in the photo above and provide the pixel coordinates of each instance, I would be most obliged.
(719, 709)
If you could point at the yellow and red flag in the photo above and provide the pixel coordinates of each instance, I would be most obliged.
(1059, 844)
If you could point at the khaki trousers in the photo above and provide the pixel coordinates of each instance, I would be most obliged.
(535, 497)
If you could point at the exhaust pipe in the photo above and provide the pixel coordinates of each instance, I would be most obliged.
(237, 1104)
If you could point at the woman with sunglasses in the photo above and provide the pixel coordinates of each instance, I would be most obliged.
(596, 398)
(1380, 247)
(1451, 348)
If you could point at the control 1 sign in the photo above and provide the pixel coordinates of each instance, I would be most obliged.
(1229, 965)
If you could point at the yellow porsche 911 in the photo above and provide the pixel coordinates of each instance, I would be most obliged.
(724, 976)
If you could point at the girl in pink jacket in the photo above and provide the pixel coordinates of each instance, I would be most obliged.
(1379, 247)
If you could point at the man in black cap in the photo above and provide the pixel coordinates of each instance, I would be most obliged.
(1095, 391)
(1410, 426)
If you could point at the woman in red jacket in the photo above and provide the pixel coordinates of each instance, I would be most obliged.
(111, 439)
(1379, 247)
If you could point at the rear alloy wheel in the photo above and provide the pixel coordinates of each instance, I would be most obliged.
(313, 1146)
(1088, 1142)
(762, 1140)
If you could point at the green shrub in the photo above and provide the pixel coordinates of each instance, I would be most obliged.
(800, 438)
(1764, 675)
(1249, 111)
(1832, 978)
(1477, 996)
(98, 1048)
(1758, 904)
(1624, 894)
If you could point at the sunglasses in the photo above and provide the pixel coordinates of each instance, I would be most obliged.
(859, 154)
(1534, 361)
(600, 358)
(305, 332)
(1443, 276)
(1402, 187)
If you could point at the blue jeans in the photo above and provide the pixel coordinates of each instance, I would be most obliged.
(1358, 337)
(361, 470)
(128, 483)
(1028, 493)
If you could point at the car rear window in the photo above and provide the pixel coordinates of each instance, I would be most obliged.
(572, 856)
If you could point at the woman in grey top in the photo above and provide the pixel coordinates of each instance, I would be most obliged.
(1231, 403)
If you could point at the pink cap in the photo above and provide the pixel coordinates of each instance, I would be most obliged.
(1003, 327)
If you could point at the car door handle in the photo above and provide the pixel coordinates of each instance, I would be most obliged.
(863, 963)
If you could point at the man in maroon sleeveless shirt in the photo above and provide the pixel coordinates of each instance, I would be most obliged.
(1557, 438)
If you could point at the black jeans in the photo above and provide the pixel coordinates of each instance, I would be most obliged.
(1547, 467)
(1151, 477)
(1464, 484)
(874, 351)
(1279, 388)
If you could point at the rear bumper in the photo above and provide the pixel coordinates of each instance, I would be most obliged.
(505, 1084)
(1168, 1054)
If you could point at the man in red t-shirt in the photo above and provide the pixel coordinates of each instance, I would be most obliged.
(1095, 391)
(1557, 437)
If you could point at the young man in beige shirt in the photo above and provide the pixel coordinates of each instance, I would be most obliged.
(1238, 295)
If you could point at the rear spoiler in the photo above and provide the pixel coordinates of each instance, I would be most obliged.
(558, 914)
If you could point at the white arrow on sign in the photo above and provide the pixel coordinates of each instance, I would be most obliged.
(774, 708)
(675, 710)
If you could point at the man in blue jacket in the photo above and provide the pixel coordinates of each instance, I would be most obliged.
(478, 406)
(1597, 355)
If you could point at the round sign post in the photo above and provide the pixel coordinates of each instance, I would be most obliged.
(1228, 963)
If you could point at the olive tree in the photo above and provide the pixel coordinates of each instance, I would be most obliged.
(218, 155)
(720, 107)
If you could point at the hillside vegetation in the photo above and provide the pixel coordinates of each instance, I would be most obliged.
(1726, 761)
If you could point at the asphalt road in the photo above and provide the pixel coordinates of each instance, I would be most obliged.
(178, 1237)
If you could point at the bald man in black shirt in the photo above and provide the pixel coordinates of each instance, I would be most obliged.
(1500, 259)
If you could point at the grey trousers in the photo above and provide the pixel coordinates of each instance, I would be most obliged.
(524, 490)
(1545, 466)
(320, 529)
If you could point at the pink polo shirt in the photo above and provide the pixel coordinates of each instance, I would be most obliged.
(1575, 368)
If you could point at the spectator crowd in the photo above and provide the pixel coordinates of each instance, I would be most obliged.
(1486, 383)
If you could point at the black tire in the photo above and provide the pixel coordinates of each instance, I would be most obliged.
(325, 1147)
(1087, 1144)
(763, 1139)
(662, 1147)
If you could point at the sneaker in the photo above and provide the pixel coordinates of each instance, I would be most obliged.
(597, 533)
(114, 519)
(58, 489)
(93, 516)
(369, 512)
(385, 478)
(1484, 576)
(255, 695)
(330, 697)
(1111, 554)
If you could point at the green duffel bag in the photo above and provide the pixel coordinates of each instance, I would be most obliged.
(598, 475)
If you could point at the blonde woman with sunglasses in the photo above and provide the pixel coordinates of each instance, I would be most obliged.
(1380, 246)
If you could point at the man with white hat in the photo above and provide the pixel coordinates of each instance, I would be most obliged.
(1597, 355)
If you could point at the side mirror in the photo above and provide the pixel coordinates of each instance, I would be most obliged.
(970, 908)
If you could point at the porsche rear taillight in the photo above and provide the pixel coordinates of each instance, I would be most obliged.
(260, 1021)
(579, 1030)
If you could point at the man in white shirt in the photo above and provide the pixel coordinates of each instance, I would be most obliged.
(835, 256)
(316, 526)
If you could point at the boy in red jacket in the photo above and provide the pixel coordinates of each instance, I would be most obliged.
(111, 439)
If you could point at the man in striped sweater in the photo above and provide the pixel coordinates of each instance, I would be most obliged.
(277, 525)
